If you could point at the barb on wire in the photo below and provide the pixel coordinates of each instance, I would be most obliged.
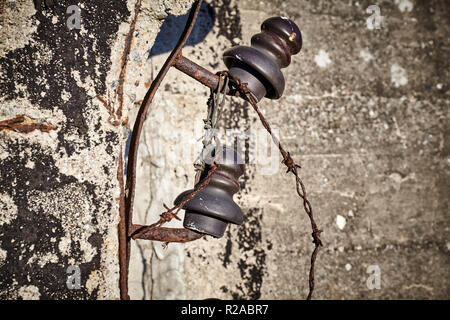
(172, 213)
(214, 110)
(291, 167)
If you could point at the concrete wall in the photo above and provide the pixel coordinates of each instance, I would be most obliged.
(365, 112)
(59, 189)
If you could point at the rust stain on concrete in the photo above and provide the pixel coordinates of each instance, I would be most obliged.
(23, 124)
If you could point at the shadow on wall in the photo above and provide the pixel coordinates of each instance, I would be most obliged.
(171, 31)
(173, 26)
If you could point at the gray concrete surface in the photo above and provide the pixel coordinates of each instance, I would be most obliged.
(365, 112)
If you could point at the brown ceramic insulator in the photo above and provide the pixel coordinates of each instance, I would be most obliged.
(259, 65)
(210, 211)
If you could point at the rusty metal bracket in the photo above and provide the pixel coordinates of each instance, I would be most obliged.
(204, 76)
(127, 195)
(255, 73)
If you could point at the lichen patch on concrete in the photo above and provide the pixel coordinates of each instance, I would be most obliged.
(404, 5)
(322, 58)
(62, 183)
(72, 210)
(8, 209)
(399, 77)
(29, 293)
(16, 33)
(3, 255)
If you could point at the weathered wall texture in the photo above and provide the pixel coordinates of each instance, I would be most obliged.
(58, 186)
(366, 113)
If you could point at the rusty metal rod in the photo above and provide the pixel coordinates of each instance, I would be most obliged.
(203, 76)
(165, 234)
(123, 273)
(137, 129)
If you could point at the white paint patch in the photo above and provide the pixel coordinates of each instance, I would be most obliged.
(398, 75)
(47, 258)
(340, 222)
(16, 33)
(366, 55)
(348, 267)
(42, 260)
(84, 164)
(404, 5)
(29, 164)
(64, 245)
(295, 98)
(65, 95)
(8, 209)
(93, 281)
(396, 177)
(3, 255)
(322, 59)
(69, 205)
(29, 293)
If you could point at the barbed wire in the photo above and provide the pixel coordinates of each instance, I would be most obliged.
(291, 167)
(172, 213)
(208, 155)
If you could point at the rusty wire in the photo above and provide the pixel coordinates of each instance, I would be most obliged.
(172, 213)
(137, 129)
(129, 193)
(169, 235)
(122, 229)
(214, 112)
(291, 167)
(235, 88)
